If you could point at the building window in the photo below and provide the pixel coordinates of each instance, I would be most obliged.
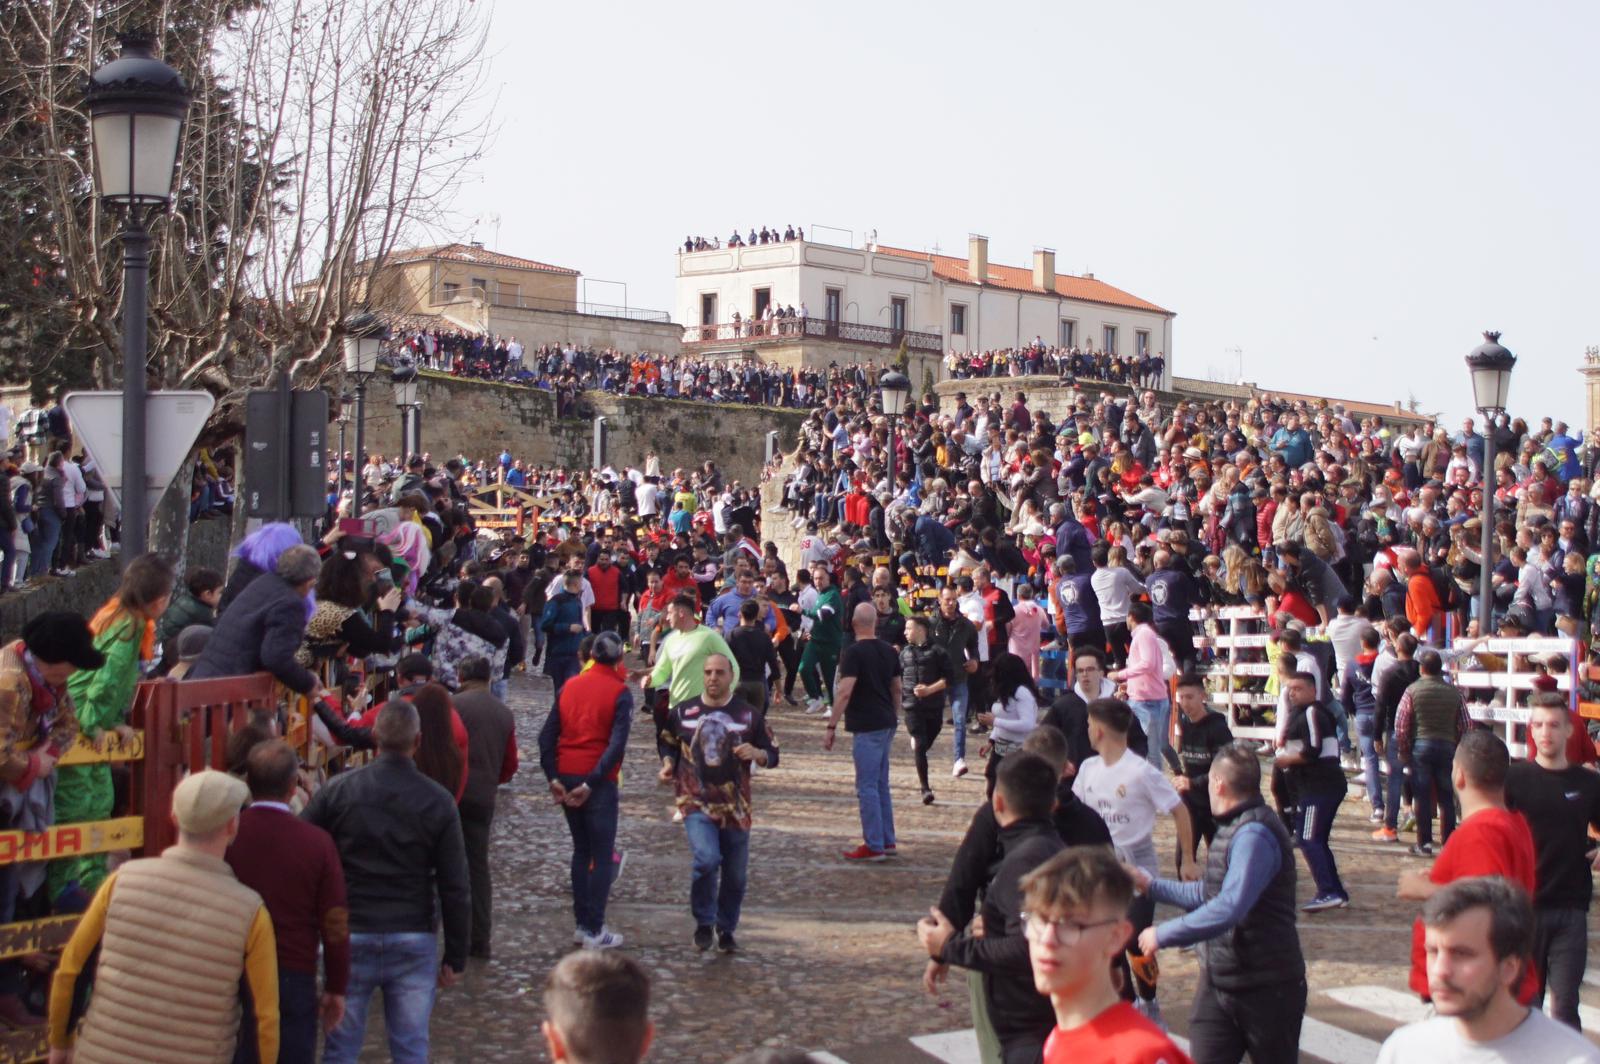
(452, 292)
(1111, 340)
(835, 303)
(1141, 342)
(1069, 332)
(897, 313)
(708, 308)
(482, 286)
(958, 319)
(763, 301)
(508, 295)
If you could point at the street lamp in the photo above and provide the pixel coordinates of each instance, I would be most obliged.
(136, 107)
(1490, 365)
(893, 388)
(344, 424)
(410, 407)
(364, 334)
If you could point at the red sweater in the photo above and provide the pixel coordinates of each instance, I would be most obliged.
(295, 868)
(607, 585)
(588, 706)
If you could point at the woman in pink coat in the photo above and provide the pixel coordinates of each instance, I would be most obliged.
(1026, 628)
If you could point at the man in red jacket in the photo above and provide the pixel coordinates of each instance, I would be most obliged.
(607, 614)
(580, 750)
(295, 868)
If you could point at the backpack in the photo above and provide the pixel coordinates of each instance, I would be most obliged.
(1446, 588)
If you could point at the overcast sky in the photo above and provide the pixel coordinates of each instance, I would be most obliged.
(1343, 196)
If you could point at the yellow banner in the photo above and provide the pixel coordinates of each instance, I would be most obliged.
(72, 840)
(111, 748)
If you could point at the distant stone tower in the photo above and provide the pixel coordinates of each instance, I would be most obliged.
(1591, 386)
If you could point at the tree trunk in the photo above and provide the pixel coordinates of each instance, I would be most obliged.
(169, 524)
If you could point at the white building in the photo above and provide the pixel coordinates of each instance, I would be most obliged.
(873, 297)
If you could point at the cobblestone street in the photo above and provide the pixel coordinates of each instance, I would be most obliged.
(828, 958)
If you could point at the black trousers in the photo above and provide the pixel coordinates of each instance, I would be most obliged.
(1118, 637)
(923, 726)
(1264, 1022)
(475, 823)
(789, 654)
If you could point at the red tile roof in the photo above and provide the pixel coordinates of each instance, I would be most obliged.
(1020, 279)
(469, 254)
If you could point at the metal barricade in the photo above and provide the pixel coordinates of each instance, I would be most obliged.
(179, 726)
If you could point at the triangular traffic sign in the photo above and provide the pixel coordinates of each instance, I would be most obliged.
(172, 421)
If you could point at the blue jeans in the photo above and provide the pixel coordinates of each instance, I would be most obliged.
(561, 668)
(1155, 716)
(47, 534)
(1313, 826)
(1430, 771)
(594, 836)
(499, 688)
(721, 860)
(1394, 787)
(405, 966)
(1366, 733)
(1341, 724)
(870, 751)
(959, 694)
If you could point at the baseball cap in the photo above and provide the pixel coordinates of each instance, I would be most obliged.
(205, 800)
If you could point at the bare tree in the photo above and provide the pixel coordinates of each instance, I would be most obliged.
(324, 133)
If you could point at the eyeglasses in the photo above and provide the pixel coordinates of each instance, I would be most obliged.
(1064, 932)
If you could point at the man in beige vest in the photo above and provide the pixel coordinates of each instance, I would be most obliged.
(176, 933)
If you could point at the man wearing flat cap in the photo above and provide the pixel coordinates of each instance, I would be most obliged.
(179, 936)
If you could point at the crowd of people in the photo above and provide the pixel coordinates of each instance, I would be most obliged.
(1142, 370)
(1027, 579)
(764, 236)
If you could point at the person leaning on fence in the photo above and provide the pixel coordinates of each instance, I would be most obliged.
(159, 996)
(264, 627)
(124, 631)
(38, 722)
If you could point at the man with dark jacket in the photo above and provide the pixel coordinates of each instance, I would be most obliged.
(1024, 797)
(925, 677)
(755, 654)
(562, 624)
(959, 638)
(491, 762)
(399, 840)
(264, 627)
(1252, 992)
(1172, 595)
(1401, 674)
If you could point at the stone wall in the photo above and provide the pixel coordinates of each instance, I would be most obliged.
(479, 419)
(535, 327)
(85, 591)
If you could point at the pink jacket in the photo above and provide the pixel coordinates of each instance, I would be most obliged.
(1143, 674)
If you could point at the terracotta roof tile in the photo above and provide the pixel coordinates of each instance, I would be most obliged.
(469, 254)
(1020, 279)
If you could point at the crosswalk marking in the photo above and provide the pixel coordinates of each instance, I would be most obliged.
(824, 1057)
(952, 1047)
(1396, 1005)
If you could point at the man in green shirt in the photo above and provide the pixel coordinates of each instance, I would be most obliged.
(827, 636)
(680, 663)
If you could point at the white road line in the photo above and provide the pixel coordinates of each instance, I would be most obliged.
(1335, 1044)
(1324, 1041)
(1396, 1005)
(952, 1047)
(824, 1057)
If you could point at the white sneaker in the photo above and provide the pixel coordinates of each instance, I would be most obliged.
(816, 705)
(677, 816)
(959, 769)
(578, 935)
(606, 939)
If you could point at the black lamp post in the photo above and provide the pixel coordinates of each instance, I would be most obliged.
(1490, 365)
(136, 107)
(344, 423)
(893, 388)
(364, 334)
(407, 401)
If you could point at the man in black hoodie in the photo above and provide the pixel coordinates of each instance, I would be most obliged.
(985, 861)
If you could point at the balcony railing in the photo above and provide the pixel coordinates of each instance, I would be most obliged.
(443, 297)
(790, 329)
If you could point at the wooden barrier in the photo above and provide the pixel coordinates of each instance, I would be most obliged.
(179, 727)
(1231, 655)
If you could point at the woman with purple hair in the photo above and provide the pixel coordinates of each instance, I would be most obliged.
(258, 553)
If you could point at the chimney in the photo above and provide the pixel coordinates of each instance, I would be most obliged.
(1044, 268)
(978, 258)
(478, 244)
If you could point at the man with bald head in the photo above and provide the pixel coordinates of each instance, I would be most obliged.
(866, 698)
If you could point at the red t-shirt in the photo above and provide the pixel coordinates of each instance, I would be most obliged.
(1490, 842)
(1119, 1035)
